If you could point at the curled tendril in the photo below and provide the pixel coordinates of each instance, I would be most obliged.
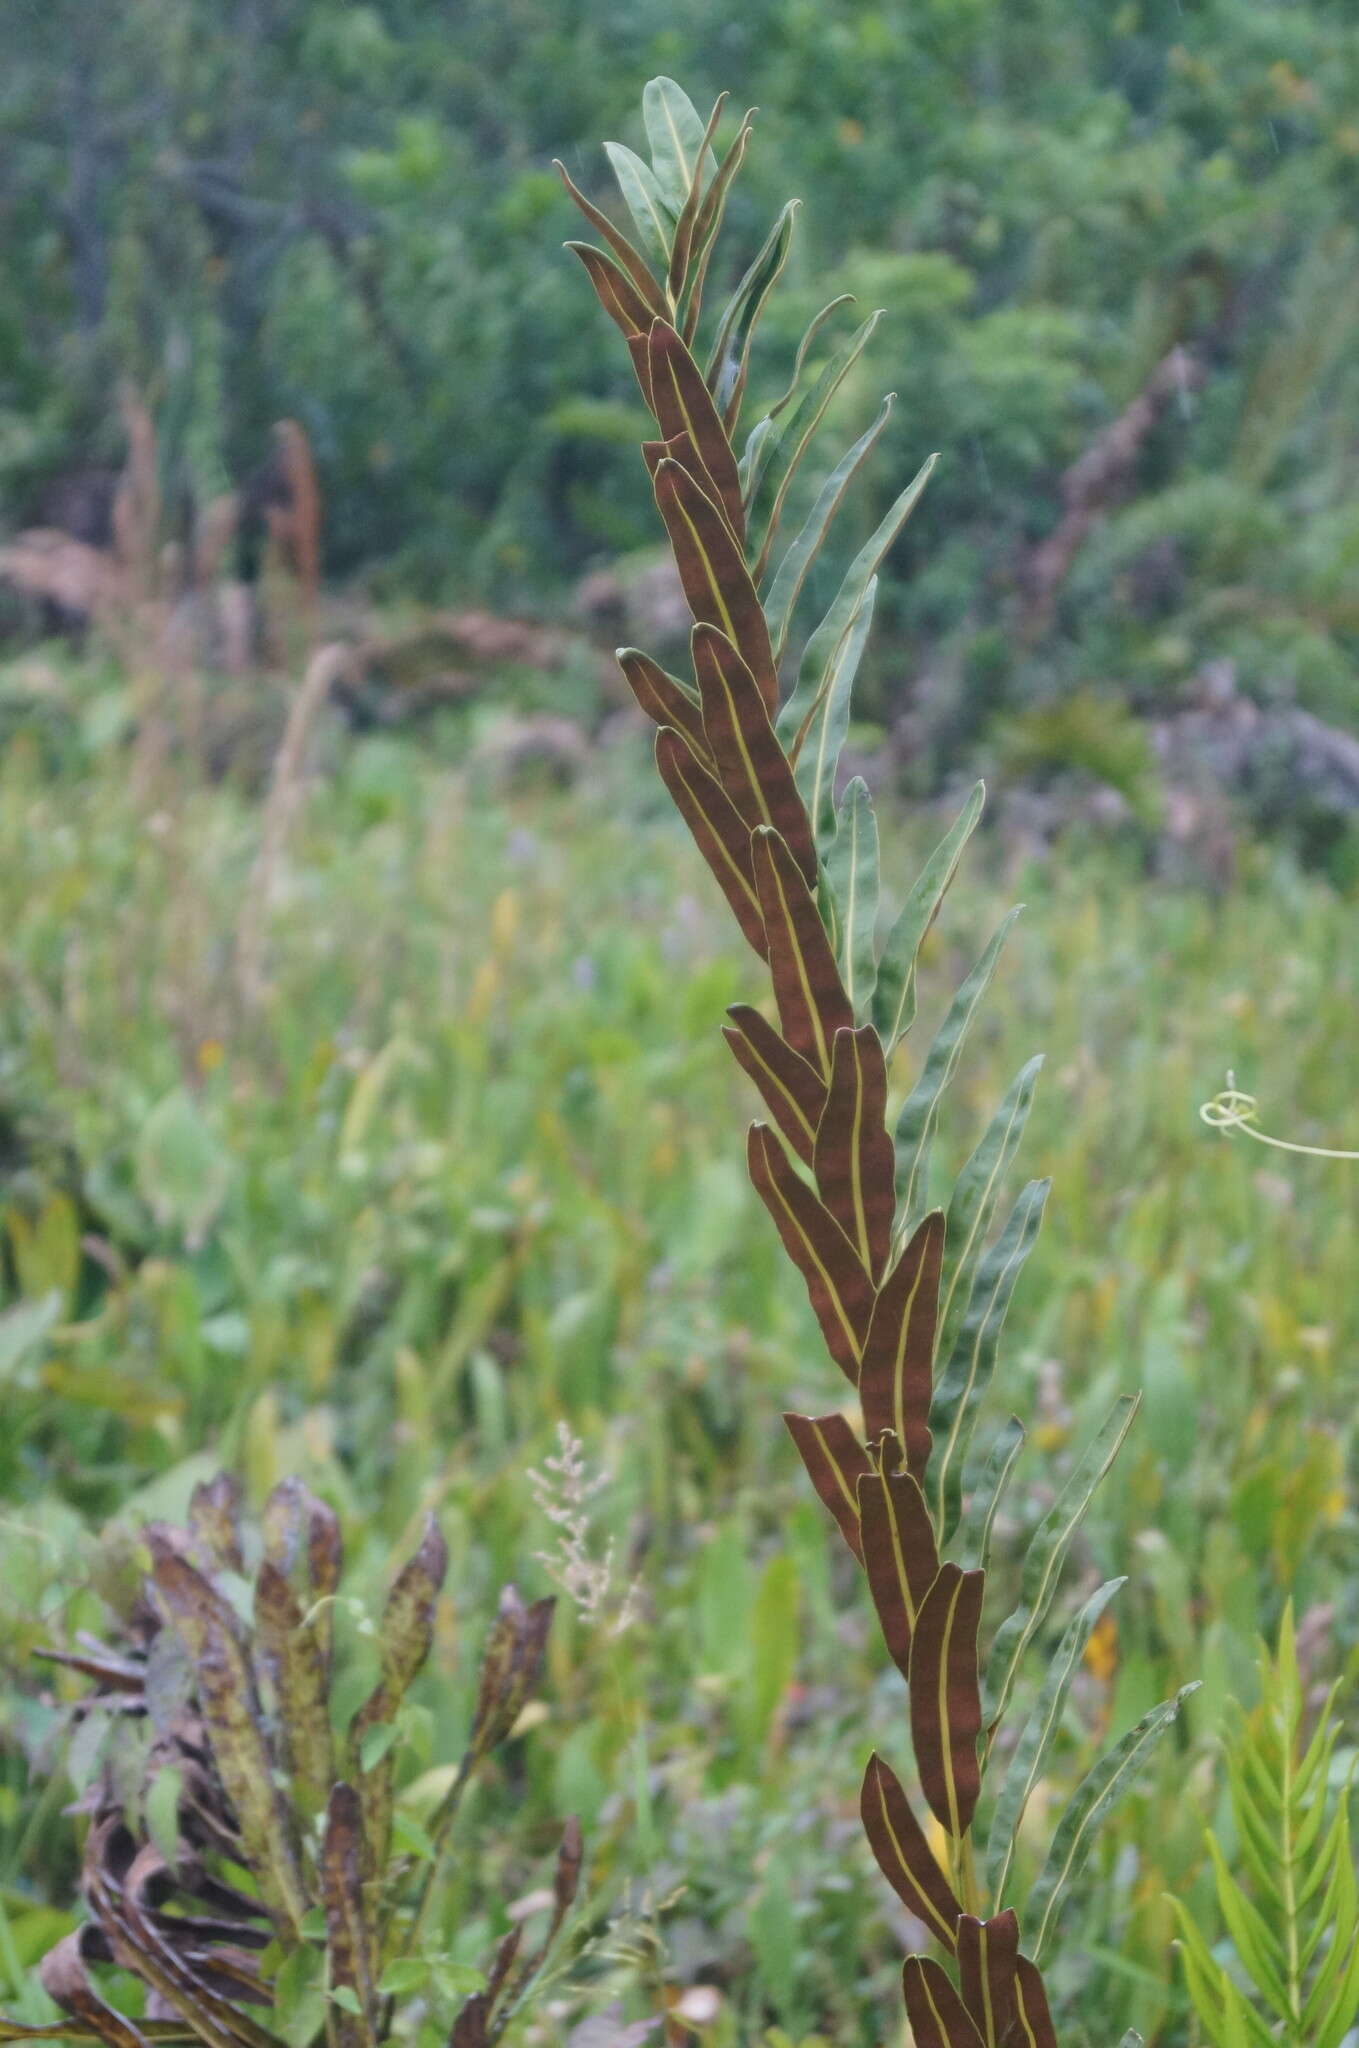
(1234, 1110)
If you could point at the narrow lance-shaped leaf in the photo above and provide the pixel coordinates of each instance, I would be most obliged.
(688, 218)
(781, 453)
(707, 227)
(899, 1556)
(894, 995)
(676, 136)
(614, 289)
(349, 1936)
(835, 1462)
(838, 1287)
(820, 647)
(230, 1704)
(712, 570)
(1025, 1768)
(1033, 2016)
(718, 831)
(679, 448)
(851, 872)
(853, 1156)
(1046, 1555)
(903, 1854)
(750, 763)
(812, 1003)
(643, 281)
(971, 1365)
(1098, 1791)
(938, 2017)
(290, 1647)
(988, 1956)
(725, 374)
(919, 1118)
(645, 201)
(816, 743)
(945, 1698)
(510, 1665)
(665, 699)
(792, 1090)
(684, 406)
(405, 1637)
(972, 1205)
(895, 1377)
(802, 550)
(978, 1519)
(215, 1522)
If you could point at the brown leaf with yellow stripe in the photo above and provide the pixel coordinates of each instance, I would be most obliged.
(812, 1002)
(988, 1952)
(896, 1379)
(1033, 2026)
(903, 1855)
(938, 2017)
(854, 1161)
(835, 1462)
(900, 1555)
(752, 765)
(712, 567)
(644, 283)
(718, 831)
(680, 448)
(641, 363)
(838, 1287)
(665, 699)
(946, 1714)
(793, 1092)
(684, 406)
(615, 290)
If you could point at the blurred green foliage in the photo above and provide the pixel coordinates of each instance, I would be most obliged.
(467, 1173)
(345, 213)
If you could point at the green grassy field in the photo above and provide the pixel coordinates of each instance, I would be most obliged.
(473, 1167)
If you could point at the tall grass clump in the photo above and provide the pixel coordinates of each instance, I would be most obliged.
(910, 1284)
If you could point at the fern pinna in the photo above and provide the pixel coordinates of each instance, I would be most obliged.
(910, 1298)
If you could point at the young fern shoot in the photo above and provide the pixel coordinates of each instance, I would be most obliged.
(910, 1297)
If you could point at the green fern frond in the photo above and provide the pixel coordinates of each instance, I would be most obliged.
(1290, 1907)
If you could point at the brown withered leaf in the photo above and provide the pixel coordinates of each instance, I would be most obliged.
(289, 1650)
(938, 2017)
(811, 1000)
(792, 1090)
(302, 1541)
(900, 1555)
(903, 1855)
(645, 284)
(896, 1381)
(684, 406)
(510, 1664)
(854, 1160)
(1033, 2026)
(614, 289)
(712, 569)
(946, 1696)
(665, 699)
(231, 1711)
(838, 1287)
(751, 765)
(65, 1979)
(349, 1930)
(835, 1462)
(988, 1952)
(215, 1522)
(718, 832)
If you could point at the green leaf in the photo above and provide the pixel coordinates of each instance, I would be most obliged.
(161, 1810)
(971, 1364)
(972, 1205)
(1113, 1776)
(729, 362)
(675, 134)
(821, 733)
(852, 875)
(655, 221)
(23, 1330)
(1047, 1553)
(802, 550)
(781, 453)
(1025, 1768)
(978, 1520)
(919, 1116)
(894, 996)
(374, 1744)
